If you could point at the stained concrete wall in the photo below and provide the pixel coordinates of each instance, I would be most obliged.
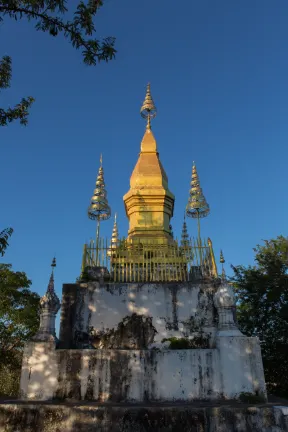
(174, 310)
(143, 375)
(91, 418)
(121, 376)
(240, 365)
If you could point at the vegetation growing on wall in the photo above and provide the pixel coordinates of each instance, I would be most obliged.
(199, 341)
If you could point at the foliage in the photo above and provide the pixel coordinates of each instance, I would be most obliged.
(200, 341)
(251, 398)
(10, 380)
(262, 294)
(49, 18)
(19, 318)
(4, 236)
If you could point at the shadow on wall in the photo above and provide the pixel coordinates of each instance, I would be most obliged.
(134, 316)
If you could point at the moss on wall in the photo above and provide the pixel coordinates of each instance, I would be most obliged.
(198, 341)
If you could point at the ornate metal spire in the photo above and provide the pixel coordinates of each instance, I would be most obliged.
(115, 237)
(222, 261)
(99, 208)
(50, 299)
(148, 109)
(197, 206)
(184, 235)
(213, 261)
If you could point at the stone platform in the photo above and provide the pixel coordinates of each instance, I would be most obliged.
(89, 417)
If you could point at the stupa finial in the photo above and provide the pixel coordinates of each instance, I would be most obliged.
(99, 208)
(222, 261)
(148, 109)
(197, 206)
(115, 238)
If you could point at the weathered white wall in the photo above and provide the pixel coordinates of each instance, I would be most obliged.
(39, 374)
(125, 375)
(138, 317)
(170, 306)
(139, 375)
(241, 365)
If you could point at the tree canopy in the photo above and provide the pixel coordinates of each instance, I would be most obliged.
(4, 236)
(19, 320)
(49, 17)
(262, 294)
(19, 313)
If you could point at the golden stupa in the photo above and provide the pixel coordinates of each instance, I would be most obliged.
(149, 203)
(149, 252)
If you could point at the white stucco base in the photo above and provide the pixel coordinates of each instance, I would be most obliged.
(241, 365)
(39, 378)
(234, 367)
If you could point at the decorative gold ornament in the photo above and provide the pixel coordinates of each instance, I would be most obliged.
(115, 237)
(134, 261)
(197, 206)
(215, 271)
(99, 209)
(148, 109)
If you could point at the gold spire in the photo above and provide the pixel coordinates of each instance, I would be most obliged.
(197, 205)
(148, 109)
(149, 203)
(115, 239)
(99, 208)
(213, 261)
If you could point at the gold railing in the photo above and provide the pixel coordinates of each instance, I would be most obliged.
(137, 262)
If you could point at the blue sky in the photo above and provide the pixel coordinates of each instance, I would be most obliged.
(218, 73)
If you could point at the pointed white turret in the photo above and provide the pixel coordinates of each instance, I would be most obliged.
(49, 306)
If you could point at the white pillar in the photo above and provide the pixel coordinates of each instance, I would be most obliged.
(240, 359)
